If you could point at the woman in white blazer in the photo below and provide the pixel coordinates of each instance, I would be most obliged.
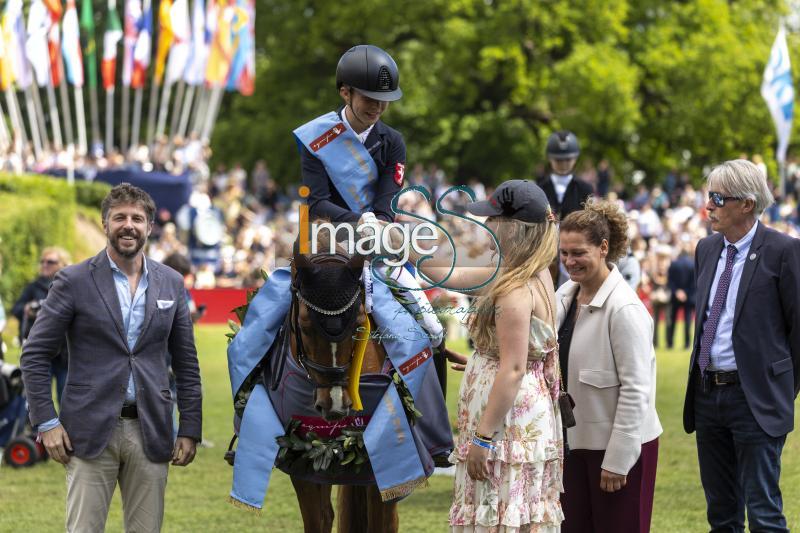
(609, 369)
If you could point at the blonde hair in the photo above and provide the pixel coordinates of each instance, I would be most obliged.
(64, 259)
(526, 249)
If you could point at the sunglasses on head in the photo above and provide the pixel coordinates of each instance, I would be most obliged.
(719, 200)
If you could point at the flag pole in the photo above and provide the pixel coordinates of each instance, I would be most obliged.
(176, 109)
(151, 114)
(95, 116)
(211, 113)
(33, 122)
(65, 109)
(109, 145)
(37, 106)
(19, 139)
(162, 112)
(200, 109)
(137, 119)
(54, 118)
(187, 107)
(5, 138)
(123, 133)
(20, 119)
(81, 118)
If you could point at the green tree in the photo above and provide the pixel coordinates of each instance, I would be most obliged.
(649, 85)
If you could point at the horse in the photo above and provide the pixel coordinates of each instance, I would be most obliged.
(326, 314)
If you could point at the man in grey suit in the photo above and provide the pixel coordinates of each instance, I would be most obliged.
(745, 367)
(122, 314)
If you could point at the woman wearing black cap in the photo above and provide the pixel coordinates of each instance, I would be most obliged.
(509, 448)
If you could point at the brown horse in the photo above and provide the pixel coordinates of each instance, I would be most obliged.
(327, 310)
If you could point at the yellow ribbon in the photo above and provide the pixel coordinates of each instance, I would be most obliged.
(355, 367)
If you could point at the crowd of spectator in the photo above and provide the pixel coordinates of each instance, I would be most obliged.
(258, 221)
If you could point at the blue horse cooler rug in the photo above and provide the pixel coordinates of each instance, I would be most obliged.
(400, 454)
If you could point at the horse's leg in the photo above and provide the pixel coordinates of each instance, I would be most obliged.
(351, 509)
(381, 516)
(315, 505)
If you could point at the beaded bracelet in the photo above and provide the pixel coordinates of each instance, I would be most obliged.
(483, 444)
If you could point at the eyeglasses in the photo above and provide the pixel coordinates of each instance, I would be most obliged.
(720, 200)
(48, 262)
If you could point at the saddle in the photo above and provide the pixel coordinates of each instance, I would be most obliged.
(276, 356)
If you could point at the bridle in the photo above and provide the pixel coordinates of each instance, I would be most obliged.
(334, 375)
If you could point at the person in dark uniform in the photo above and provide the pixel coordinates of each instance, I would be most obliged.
(367, 79)
(566, 192)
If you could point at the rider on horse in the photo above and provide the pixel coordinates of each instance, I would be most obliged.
(353, 165)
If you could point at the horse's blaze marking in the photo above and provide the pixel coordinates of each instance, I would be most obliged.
(416, 361)
(337, 395)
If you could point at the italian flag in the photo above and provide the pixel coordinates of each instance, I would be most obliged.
(111, 39)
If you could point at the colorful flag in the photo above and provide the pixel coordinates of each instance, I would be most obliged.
(15, 43)
(89, 45)
(181, 34)
(778, 90)
(133, 13)
(241, 77)
(54, 40)
(36, 46)
(221, 50)
(6, 68)
(111, 39)
(71, 45)
(141, 53)
(164, 39)
(198, 52)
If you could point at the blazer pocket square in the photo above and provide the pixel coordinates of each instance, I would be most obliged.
(165, 304)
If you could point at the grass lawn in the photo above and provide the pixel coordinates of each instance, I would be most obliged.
(33, 499)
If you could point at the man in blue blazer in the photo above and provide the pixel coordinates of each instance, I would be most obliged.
(745, 366)
(122, 314)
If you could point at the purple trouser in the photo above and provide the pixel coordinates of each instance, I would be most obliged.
(587, 509)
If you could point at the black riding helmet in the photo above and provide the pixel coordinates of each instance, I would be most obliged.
(563, 145)
(371, 71)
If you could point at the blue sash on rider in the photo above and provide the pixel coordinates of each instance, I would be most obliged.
(348, 163)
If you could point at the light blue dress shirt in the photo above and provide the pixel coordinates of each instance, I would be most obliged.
(132, 321)
(722, 356)
(132, 314)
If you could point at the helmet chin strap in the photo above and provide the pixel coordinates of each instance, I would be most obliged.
(355, 122)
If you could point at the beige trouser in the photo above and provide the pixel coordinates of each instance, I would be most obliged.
(91, 484)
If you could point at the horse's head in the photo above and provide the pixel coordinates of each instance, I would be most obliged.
(327, 310)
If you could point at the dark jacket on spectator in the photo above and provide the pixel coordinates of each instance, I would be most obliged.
(681, 276)
(35, 291)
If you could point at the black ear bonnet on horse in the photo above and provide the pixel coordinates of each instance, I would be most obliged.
(330, 286)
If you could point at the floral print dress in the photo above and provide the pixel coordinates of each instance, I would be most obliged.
(524, 485)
